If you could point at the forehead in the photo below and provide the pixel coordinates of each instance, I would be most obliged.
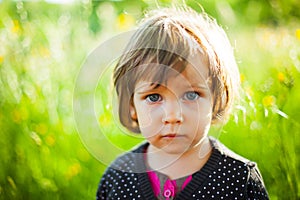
(197, 68)
(194, 69)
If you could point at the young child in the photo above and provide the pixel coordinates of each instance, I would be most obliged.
(176, 78)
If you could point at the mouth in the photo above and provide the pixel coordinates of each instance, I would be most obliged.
(171, 135)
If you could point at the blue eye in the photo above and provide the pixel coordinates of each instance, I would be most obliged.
(191, 96)
(153, 98)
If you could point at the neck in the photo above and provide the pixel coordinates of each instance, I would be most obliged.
(179, 165)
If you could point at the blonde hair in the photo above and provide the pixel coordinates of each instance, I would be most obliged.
(168, 36)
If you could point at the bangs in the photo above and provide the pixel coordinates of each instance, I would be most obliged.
(155, 52)
(158, 66)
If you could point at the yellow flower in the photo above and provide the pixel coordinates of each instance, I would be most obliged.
(19, 115)
(269, 100)
(41, 128)
(16, 116)
(298, 34)
(125, 21)
(1, 59)
(73, 170)
(50, 140)
(16, 26)
(280, 77)
(242, 78)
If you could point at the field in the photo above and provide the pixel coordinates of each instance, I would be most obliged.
(50, 150)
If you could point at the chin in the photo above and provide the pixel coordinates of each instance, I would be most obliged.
(175, 149)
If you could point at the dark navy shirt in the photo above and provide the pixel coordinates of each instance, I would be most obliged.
(225, 175)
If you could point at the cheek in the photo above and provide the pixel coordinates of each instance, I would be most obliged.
(149, 121)
(146, 116)
(203, 107)
(144, 119)
(200, 114)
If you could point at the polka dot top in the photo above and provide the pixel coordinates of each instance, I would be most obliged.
(225, 175)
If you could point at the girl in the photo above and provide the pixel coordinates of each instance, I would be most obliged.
(176, 78)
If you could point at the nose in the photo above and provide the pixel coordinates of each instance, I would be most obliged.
(173, 113)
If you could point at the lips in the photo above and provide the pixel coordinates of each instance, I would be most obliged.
(171, 135)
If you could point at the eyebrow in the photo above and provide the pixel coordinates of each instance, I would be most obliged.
(197, 85)
(154, 86)
(201, 86)
(149, 87)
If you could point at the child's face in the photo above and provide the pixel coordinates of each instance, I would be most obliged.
(174, 116)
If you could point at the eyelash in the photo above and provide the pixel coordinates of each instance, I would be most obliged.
(159, 97)
(191, 92)
(152, 95)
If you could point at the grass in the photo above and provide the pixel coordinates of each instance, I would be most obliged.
(42, 154)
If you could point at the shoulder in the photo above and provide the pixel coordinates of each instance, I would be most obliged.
(130, 161)
(229, 155)
(229, 160)
(243, 172)
(127, 162)
(121, 177)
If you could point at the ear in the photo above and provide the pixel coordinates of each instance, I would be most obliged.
(133, 112)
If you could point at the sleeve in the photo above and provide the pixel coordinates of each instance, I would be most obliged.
(103, 188)
(255, 185)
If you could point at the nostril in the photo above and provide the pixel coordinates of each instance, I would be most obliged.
(172, 112)
(172, 119)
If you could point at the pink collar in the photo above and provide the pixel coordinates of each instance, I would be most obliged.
(170, 188)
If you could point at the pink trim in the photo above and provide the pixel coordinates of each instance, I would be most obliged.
(154, 180)
(169, 189)
(169, 186)
(187, 180)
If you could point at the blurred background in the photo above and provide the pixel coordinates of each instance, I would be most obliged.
(43, 45)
